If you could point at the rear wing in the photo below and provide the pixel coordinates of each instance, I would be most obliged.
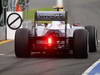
(51, 16)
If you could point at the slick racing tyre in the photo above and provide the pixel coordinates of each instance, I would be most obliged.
(22, 43)
(92, 38)
(80, 43)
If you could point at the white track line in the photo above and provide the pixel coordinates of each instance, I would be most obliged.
(1, 54)
(91, 67)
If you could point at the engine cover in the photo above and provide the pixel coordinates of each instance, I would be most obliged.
(58, 26)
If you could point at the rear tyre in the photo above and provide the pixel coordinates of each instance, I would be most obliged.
(92, 38)
(22, 43)
(80, 43)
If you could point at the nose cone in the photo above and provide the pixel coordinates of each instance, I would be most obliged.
(59, 4)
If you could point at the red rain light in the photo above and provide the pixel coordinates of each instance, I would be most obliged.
(49, 40)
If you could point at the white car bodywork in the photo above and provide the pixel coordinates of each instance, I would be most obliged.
(57, 25)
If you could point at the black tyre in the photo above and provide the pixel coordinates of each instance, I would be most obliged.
(92, 38)
(80, 43)
(22, 43)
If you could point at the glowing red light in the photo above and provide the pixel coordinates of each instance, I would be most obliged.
(49, 40)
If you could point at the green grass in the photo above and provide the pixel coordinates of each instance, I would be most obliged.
(29, 15)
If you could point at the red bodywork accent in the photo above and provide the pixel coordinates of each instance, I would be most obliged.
(76, 24)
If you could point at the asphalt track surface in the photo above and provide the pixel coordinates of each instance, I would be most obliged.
(85, 12)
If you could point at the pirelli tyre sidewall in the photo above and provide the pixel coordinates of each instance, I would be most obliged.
(80, 43)
(22, 43)
(92, 38)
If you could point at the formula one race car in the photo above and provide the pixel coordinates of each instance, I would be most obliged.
(55, 36)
